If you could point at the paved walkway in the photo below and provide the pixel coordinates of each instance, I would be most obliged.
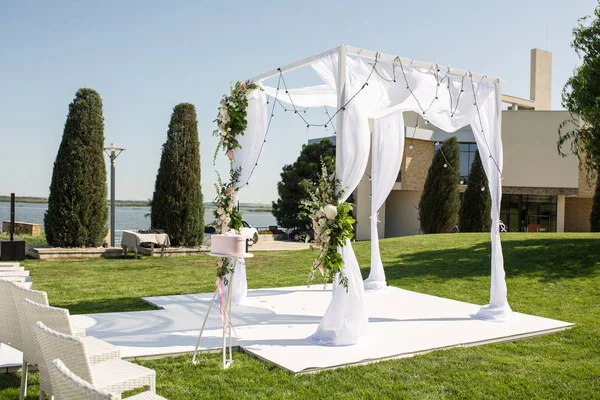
(278, 245)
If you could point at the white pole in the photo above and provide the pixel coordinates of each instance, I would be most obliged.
(341, 93)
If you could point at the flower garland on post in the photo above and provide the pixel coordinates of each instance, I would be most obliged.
(231, 122)
(332, 225)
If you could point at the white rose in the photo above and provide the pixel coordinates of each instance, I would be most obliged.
(330, 211)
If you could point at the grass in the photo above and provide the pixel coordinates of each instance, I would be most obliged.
(550, 275)
(29, 239)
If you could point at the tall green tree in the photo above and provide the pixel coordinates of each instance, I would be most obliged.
(581, 96)
(296, 178)
(77, 209)
(177, 203)
(475, 208)
(595, 215)
(440, 201)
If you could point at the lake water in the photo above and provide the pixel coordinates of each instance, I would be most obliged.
(127, 218)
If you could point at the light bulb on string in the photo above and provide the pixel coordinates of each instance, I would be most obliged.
(462, 182)
(445, 165)
(483, 189)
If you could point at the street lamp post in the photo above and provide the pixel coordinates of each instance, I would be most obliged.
(112, 152)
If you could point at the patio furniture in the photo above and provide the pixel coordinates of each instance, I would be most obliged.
(114, 376)
(57, 319)
(132, 240)
(71, 387)
(27, 316)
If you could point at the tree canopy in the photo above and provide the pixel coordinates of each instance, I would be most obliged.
(177, 203)
(296, 178)
(581, 96)
(440, 201)
(77, 209)
(475, 208)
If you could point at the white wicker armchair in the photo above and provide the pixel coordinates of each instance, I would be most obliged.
(69, 386)
(58, 320)
(113, 376)
(26, 319)
(10, 329)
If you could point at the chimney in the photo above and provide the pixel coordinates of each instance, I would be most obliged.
(541, 79)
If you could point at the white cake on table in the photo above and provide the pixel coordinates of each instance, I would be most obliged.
(228, 245)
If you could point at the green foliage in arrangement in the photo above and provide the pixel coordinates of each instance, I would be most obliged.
(332, 225)
(297, 179)
(77, 211)
(440, 201)
(177, 203)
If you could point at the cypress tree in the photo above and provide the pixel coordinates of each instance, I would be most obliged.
(595, 215)
(77, 209)
(475, 208)
(440, 201)
(296, 179)
(177, 203)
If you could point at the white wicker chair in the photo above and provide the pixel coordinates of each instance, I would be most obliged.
(10, 326)
(10, 329)
(58, 320)
(113, 376)
(71, 387)
(28, 342)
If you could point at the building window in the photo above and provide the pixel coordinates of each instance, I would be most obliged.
(528, 213)
(467, 154)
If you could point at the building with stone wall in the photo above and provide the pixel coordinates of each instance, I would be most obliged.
(542, 191)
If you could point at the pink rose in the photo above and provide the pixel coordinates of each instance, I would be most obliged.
(222, 102)
(330, 191)
(219, 262)
(229, 154)
(332, 176)
(324, 196)
(318, 214)
(228, 191)
(243, 87)
(220, 211)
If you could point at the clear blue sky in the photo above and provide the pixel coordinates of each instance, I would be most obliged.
(144, 57)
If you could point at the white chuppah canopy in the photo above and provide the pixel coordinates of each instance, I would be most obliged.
(381, 89)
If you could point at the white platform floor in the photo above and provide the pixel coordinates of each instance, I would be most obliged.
(273, 325)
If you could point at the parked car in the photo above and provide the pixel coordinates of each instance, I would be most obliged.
(248, 231)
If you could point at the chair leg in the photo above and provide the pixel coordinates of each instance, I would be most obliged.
(24, 372)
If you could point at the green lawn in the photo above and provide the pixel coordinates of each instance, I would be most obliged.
(550, 275)
(30, 240)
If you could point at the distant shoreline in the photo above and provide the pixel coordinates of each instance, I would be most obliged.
(132, 203)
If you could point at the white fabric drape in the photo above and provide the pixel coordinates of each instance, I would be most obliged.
(446, 100)
(489, 143)
(239, 285)
(345, 320)
(310, 96)
(246, 158)
(386, 158)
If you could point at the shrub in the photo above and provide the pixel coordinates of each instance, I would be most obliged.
(595, 215)
(475, 208)
(440, 201)
(177, 204)
(77, 210)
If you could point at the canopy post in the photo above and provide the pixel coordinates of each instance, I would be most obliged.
(341, 94)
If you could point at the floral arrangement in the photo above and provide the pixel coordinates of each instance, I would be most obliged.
(231, 120)
(226, 214)
(332, 225)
